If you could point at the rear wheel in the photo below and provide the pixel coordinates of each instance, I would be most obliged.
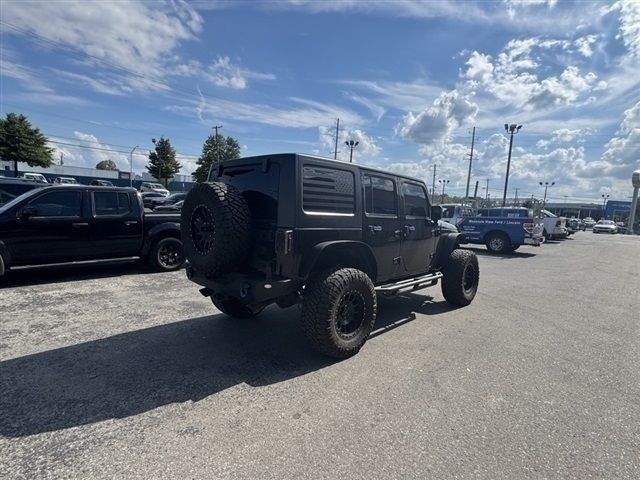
(461, 278)
(497, 243)
(1, 266)
(234, 308)
(167, 254)
(339, 311)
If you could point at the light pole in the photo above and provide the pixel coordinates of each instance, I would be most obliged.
(512, 130)
(444, 183)
(131, 166)
(546, 186)
(604, 204)
(351, 144)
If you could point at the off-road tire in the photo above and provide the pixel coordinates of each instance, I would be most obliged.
(167, 254)
(2, 268)
(328, 299)
(497, 243)
(235, 309)
(216, 228)
(461, 277)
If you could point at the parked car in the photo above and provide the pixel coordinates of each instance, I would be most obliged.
(101, 183)
(605, 226)
(573, 225)
(149, 197)
(171, 199)
(34, 177)
(296, 229)
(171, 207)
(81, 223)
(589, 222)
(154, 187)
(65, 181)
(11, 188)
(502, 229)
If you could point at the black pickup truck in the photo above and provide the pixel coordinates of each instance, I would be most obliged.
(76, 223)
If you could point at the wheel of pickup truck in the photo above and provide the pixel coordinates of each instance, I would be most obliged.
(497, 242)
(235, 309)
(167, 254)
(216, 228)
(338, 311)
(461, 277)
(1, 266)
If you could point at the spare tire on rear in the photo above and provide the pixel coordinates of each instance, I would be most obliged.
(216, 228)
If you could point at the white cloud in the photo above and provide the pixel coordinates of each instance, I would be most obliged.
(396, 95)
(437, 122)
(367, 146)
(622, 152)
(222, 73)
(134, 39)
(629, 30)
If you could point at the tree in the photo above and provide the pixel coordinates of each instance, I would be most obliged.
(20, 142)
(162, 162)
(106, 165)
(215, 150)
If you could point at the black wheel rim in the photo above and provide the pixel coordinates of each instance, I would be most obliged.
(469, 278)
(202, 229)
(170, 254)
(350, 315)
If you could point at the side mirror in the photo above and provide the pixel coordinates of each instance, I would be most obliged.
(28, 212)
(436, 212)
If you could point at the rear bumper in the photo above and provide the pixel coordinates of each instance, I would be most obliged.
(249, 288)
(533, 241)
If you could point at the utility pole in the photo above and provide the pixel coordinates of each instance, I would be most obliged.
(475, 195)
(515, 200)
(215, 127)
(511, 129)
(487, 190)
(61, 158)
(473, 138)
(335, 152)
(131, 166)
(433, 187)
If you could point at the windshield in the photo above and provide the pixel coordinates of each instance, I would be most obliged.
(548, 214)
(18, 199)
(605, 222)
(448, 211)
(157, 186)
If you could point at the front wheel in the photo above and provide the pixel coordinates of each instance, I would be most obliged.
(338, 311)
(167, 254)
(461, 278)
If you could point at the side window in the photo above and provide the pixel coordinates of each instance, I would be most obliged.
(328, 191)
(380, 195)
(105, 203)
(124, 203)
(415, 200)
(58, 204)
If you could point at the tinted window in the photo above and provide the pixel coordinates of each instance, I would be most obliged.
(58, 204)
(105, 203)
(380, 195)
(327, 190)
(415, 200)
(111, 203)
(124, 203)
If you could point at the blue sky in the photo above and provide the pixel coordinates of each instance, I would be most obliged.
(407, 78)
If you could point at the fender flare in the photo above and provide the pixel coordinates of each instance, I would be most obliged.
(159, 231)
(447, 243)
(360, 252)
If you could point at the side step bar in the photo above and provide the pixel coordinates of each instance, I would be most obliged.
(413, 283)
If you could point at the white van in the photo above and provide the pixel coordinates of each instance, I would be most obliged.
(34, 177)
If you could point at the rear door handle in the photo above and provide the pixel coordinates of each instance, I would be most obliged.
(131, 222)
(80, 224)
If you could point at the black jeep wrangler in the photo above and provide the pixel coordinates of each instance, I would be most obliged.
(291, 229)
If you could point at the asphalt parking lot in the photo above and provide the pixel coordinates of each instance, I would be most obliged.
(113, 373)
